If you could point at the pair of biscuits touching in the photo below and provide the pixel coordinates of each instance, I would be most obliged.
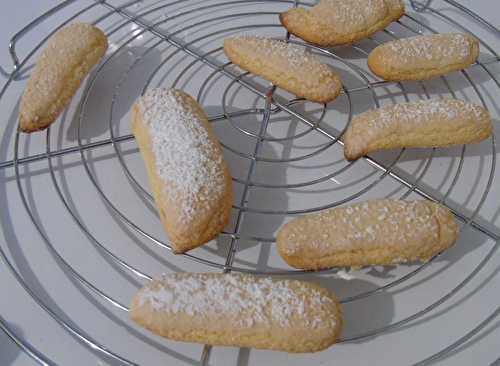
(192, 186)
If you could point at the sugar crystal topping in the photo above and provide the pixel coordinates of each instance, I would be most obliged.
(254, 301)
(364, 225)
(186, 159)
(439, 47)
(420, 112)
(63, 53)
(355, 14)
(295, 56)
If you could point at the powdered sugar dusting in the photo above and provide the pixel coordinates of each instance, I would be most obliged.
(441, 48)
(261, 302)
(186, 159)
(364, 226)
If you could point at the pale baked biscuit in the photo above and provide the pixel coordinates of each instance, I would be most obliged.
(286, 65)
(337, 22)
(189, 178)
(379, 232)
(239, 310)
(423, 57)
(68, 57)
(426, 123)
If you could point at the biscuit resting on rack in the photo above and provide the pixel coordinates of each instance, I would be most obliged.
(378, 232)
(68, 57)
(337, 22)
(286, 65)
(426, 123)
(423, 57)
(189, 178)
(239, 310)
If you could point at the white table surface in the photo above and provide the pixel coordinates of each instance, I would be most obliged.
(111, 327)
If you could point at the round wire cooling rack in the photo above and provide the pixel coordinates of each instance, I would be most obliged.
(80, 229)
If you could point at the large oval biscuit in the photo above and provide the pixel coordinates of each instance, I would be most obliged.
(189, 178)
(286, 65)
(423, 57)
(336, 22)
(68, 57)
(426, 123)
(239, 310)
(378, 232)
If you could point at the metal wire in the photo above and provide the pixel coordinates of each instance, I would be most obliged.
(460, 341)
(72, 330)
(240, 211)
(27, 348)
(273, 104)
(186, 48)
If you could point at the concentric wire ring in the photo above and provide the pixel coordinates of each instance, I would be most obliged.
(311, 126)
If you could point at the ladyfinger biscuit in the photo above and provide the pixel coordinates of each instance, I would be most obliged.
(68, 57)
(286, 65)
(239, 310)
(379, 232)
(423, 57)
(189, 178)
(427, 123)
(337, 22)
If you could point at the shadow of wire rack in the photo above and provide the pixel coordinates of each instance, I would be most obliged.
(81, 233)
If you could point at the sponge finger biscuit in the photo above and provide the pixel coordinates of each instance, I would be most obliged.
(423, 57)
(286, 65)
(239, 310)
(68, 57)
(336, 22)
(378, 232)
(427, 123)
(189, 178)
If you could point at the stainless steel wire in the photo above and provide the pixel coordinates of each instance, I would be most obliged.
(252, 88)
(273, 104)
(241, 209)
(72, 330)
(27, 348)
